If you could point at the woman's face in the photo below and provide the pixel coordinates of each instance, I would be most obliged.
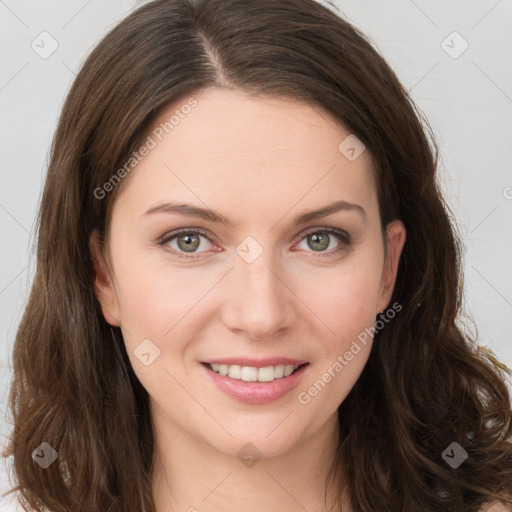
(256, 280)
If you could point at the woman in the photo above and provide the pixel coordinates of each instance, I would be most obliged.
(248, 283)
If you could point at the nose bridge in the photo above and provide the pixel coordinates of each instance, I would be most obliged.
(261, 304)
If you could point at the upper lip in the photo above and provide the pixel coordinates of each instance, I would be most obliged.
(258, 363)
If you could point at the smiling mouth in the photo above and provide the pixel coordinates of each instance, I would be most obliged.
(253, 373)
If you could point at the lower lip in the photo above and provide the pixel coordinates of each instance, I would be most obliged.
(256, 393)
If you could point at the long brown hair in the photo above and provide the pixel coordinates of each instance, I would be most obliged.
(426, 384)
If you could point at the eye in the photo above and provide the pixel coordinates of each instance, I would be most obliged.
(321, 239)
(187, 241)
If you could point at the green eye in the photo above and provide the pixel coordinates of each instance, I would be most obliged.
(317, 240)
(187, 240)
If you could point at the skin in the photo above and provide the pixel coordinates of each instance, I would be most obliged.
(260, 162)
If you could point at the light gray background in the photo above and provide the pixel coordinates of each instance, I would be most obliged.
(467, 99)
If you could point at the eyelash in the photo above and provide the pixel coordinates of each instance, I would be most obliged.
(342, 235)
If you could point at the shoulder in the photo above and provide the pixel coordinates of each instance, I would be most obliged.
(497, 507)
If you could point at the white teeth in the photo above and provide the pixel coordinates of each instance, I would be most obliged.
(235, 371)
(266, 374)
(279, 371)
(288, 369)
(249, 374)
(253, 374)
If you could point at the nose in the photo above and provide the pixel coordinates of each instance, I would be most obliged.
(261, 302)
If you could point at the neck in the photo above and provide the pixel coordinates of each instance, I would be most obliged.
(193, 476)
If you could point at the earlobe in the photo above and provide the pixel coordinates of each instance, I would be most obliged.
(103, 286)
(396, 235)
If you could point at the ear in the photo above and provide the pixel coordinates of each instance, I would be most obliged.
(396, 235)
(103, 283)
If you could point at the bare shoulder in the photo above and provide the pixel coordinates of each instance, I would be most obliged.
(497, 507)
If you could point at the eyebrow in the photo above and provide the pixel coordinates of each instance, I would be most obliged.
(207, 214)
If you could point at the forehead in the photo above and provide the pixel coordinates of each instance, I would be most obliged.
(234, 149)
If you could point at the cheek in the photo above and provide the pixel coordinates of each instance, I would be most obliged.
(344, 296)
(345, 299)
(346, 305)
(155, 300)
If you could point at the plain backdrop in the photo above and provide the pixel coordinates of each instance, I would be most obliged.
(455, 57)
